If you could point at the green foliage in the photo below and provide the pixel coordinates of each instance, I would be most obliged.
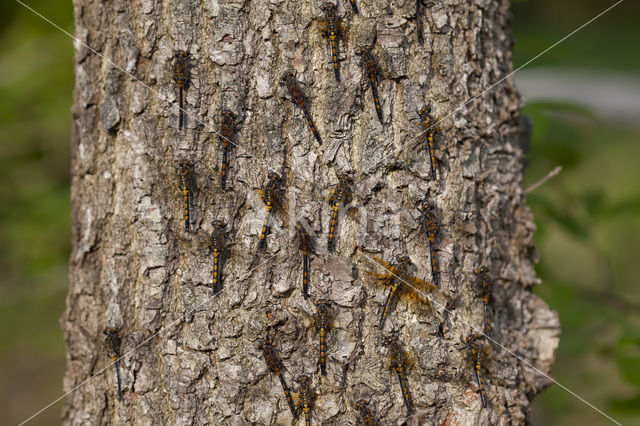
(604, 44)
(588, 216)
(35, 97)
(36, 83)
(627, 358)
(589, 237)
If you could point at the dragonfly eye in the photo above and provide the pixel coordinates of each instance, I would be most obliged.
(427, 205)
(287, 77)
(345, 176)
(303, 378)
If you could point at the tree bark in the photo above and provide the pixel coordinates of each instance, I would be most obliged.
(135, 268)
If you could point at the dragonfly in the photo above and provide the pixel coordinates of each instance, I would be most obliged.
(476, 356)
(274, 364)
(365, 415)
(305, 244)
(341, 194)
(186, 185)
(181, 68)
(397, 279)
(354, 6)
(484, 281)
(321, 319)
(429, 124)
(288, 80)
(304, 398)
(430, 226)
(112, 343)
(217, 248)
(272, 195)
(214, 244)
(227, 136)
(401, 363)
(370, 65)
(332, 30)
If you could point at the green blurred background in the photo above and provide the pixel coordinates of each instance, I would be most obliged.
(588, 223)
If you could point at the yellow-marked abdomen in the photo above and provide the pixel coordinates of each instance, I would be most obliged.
(265, 228)
(323, 361)
(216, 269)
(332, 227)
(185, 193)
(387, 304)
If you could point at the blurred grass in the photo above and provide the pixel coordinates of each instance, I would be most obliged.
(588, 222)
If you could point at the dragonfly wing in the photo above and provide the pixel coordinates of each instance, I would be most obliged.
(421, 284)
(420, 301)
(378, 276)
(386, 265)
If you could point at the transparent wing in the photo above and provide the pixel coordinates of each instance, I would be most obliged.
(386, 265)
(420, 284)
(381, 277)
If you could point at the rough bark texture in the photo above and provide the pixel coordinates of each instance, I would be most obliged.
(133, 267)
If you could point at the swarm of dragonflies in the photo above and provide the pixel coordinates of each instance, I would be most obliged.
(397, 277)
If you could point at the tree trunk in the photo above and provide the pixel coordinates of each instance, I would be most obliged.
(134, 268)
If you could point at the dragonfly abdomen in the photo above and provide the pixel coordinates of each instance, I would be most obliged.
(332, 228)
(387, 304)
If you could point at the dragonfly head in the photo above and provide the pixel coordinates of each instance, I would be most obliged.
(482, 270)
(361, 404)
(112, 341)
(403, 260)
(219, 223)
(363, 50)
(423, 113)
(345, 176)
(273, 176)
(287, 78)
(227, 116)
(184, 166)
(329, 10)
(390, 340)
(323, 306)
(471, 340)
(302, 233)
(426, 205)
(304, 380)
(263, 344)
(110, 331)
(180, 64)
